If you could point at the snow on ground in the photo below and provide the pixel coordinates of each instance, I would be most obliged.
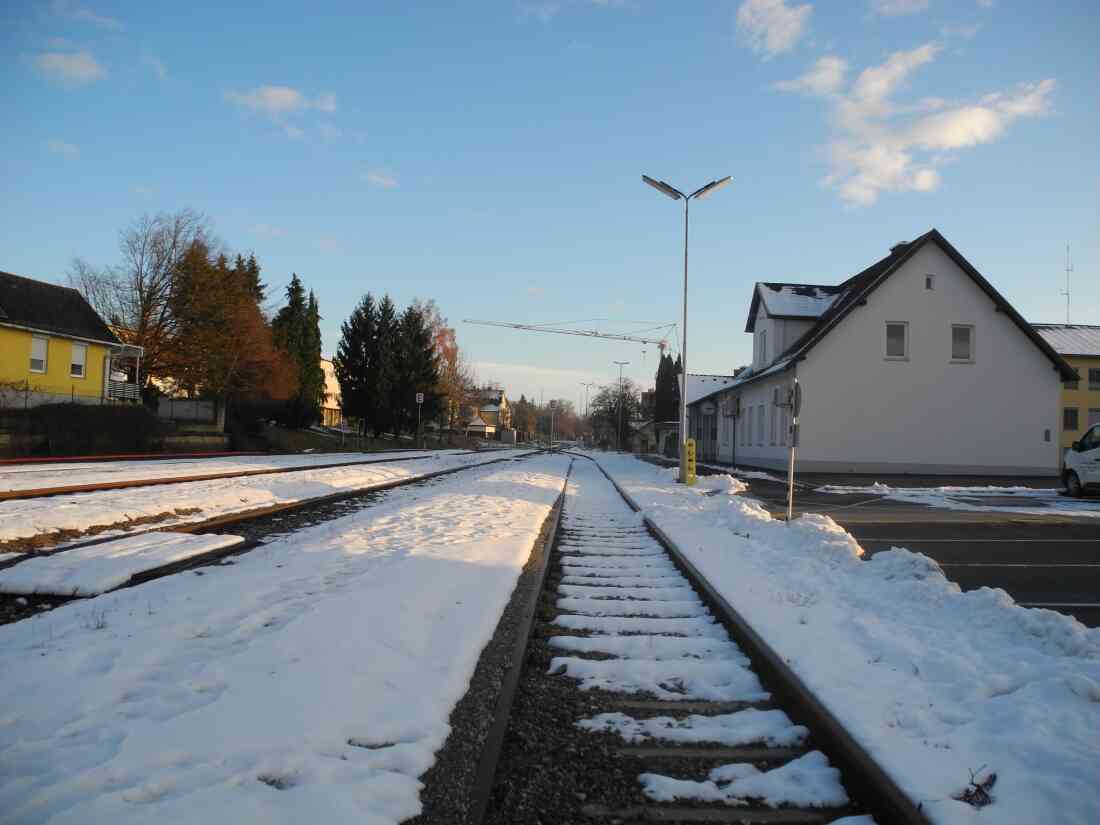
(808, 781)
(78, 511)
(933, 682)
(38, 476)
(89, 571)
(1008, 500)
(309, 681)
(745, 727)
(9, 556)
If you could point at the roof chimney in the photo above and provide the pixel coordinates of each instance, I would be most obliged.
(898, 245)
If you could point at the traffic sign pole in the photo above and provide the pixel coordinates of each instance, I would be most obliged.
(419, 432)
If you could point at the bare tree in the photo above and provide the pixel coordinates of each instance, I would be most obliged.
(135, 296)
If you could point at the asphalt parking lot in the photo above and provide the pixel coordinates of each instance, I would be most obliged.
(1041, 560)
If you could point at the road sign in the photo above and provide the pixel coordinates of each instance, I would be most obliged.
(420, 398)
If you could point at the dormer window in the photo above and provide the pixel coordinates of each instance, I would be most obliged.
(929, 281)
(762, 348)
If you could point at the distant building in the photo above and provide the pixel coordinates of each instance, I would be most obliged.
(915, 364)
(332, 413)
(55, 348)
(1080, 346)
(488, 414)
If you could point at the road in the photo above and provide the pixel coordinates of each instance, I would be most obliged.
(1050, 561)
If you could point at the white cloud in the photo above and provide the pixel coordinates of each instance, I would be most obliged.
(985, 4)
(880, 145)
(378, 177)
(824, 78)
(60, 147)
(896, 8)
(329, 132)
(294, 132)
(541, 11)
(279, 101)
(71, 68)
(771, 26)
(63, 8)
(59, 43)
(535, 291)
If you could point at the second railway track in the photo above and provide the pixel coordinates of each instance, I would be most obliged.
(642, 700)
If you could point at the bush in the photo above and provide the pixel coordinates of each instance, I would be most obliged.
(85, 429)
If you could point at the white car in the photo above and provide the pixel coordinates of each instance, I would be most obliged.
(1082, 469)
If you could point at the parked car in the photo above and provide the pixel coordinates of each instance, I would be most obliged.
(1082, 461)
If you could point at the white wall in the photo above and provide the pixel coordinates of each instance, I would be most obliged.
(771, 449)
(863, 413)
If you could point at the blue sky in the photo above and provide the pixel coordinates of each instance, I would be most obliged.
(489, 155)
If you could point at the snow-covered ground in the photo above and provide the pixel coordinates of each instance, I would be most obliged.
(42, 476)
(935, 683)
(309, 681)
(1008, 500)
(79, 511)
(89, 571)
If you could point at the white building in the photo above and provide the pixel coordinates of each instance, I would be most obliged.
(914, 365)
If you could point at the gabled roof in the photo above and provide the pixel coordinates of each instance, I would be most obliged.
(699, 385)
(50, 308)
(1071, 339)
(790, 301)
(854, 292)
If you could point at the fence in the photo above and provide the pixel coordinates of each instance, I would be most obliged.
(197, 410)
(22, 395)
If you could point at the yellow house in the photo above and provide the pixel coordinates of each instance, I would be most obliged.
(1079, 344)
(54, 347)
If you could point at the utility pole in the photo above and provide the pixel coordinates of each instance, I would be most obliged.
(620, 433)
(1069, 269)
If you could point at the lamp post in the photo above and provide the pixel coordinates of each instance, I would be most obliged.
(620, 433)
(586, 386)
(676, 195)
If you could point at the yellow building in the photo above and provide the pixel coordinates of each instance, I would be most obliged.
(332, 413)
(55, 348)
(1079, 344)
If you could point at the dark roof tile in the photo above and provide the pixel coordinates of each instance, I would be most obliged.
(50, 308)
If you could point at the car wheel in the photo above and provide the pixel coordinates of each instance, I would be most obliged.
(1073, 484)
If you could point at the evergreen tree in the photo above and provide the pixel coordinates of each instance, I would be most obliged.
(352, 363)
(667, 400)
(296, 328)
(416, 370)
(383, 357)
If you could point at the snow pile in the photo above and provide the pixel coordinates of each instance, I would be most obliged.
(89, 571)
(932, 681)
(172, 504)
(809, 781)
(746, 727)
(309, 681)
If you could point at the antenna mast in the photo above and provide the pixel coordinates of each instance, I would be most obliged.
(1069, 269)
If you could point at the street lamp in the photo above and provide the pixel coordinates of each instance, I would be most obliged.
(586, 386)
(620, 433)
(676, 195)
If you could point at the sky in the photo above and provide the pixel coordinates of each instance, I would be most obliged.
(489, 155)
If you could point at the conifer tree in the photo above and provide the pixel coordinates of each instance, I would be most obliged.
(296, 328)
(352, 363)
(383, 355)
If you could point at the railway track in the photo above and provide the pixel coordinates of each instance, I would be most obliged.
(257, 526)
(69, 489)
(643, 697)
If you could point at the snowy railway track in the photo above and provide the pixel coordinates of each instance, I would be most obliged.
(99, 486)
(644, 697)
(255, 526)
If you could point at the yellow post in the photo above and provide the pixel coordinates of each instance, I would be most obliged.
(690, 461)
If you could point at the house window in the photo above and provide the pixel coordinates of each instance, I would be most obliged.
(1094, 416)
(1069, 419)
(77, 362)
(783, 427)
(39, 348)
(1074, 383)
(763, 348)
(774, 424)
(962, 343)
(760, 425)
(897, 340)
(1094, 378)
(929, 281)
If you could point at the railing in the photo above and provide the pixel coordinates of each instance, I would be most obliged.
(123, 390)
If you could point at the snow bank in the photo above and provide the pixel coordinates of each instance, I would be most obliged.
(1031, 500)
(89, 571)
(309, 681)
(31, 517)
(933, 682)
